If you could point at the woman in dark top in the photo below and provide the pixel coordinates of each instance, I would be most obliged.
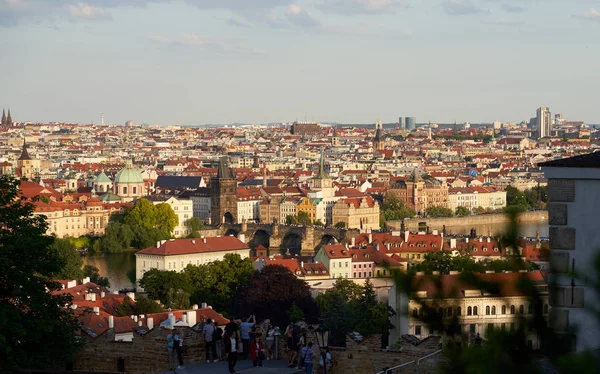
(291, 346)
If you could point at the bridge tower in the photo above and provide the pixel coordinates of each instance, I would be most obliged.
(223, 194)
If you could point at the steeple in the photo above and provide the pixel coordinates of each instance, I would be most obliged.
(9, 119)
(224, 172)
(24, 153)
(416, 176)
(3, 123)
(335, 134)
(322, 174)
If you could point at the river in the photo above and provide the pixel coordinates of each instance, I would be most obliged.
(117, 266)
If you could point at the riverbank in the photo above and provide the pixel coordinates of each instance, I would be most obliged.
(486, 224)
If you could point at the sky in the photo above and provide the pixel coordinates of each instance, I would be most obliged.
(256, 61)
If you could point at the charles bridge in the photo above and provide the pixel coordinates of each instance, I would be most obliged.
(295, 239)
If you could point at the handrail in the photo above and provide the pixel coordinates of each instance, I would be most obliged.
(424, 357)
(388, 370)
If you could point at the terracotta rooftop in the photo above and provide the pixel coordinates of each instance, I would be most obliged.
(197, 245)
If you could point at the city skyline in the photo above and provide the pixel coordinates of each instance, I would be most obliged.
(202, 61)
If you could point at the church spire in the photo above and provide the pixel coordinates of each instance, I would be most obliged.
(322, 174)
(9, 119)
(3, 118)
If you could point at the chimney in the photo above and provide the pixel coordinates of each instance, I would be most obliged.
(163, 242)
(184, 318)
(191, 318)
(97, 310)
(150, 323)
(193, 241)
(158, 244)
(302, 264)
(203, 240)
(172, 319)
(377, 246)
(434, 232)
(195, 307)
(353, 242)
(489, 239)
(204, 305)
(406, 234)
(131, 295)
(467, 239)
(387, 246)
(452, 243)
(135, 318)
(242, 238)
(86, 280)
(111, 322)
(370, 238)
(102, 294)
(140, 323)
(346, 245)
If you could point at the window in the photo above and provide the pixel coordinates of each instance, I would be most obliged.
(449, 311)
(354, 275)
(469, 311)
(512, 309)
(144, 264)
(334, 264)
(521, 309)
(134, 190)
(378, 272)
(124, 190)
(474, 310)
(493, 310)
(346, 263)
(369, 274)
(503, 309)
(458, 311)
(530, 309)
(417, 330)
(415, 311)
(472, 328)
(487, 310)
(354, 266)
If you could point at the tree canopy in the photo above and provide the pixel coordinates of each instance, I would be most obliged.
(38, 331)
(438, 212)
(393, 209)
(71, 260)
(194, 224)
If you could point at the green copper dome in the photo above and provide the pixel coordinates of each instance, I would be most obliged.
(129, 174)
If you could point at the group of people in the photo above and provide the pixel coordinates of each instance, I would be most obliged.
(244, 339)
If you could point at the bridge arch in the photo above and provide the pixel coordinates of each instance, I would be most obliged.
(232, 232)
(292, 243)
(326, 239)
(260, 237)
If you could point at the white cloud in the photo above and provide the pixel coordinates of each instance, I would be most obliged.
(82, 10)
(503, 22)
(353, 7)
(590, 15)
(208, 44)
(461, 7)
(513, 8)
(299, 16)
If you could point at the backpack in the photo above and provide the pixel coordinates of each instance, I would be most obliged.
(217, 333)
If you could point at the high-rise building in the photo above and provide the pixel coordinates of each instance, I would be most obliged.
(411, 123)
(544, 121)
(402, 123)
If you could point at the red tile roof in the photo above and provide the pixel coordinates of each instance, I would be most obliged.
(198, 245)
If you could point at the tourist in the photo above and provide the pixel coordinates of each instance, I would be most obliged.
(231, 337)
(172, 343)
(218, 339)
(209, 343)
(307, 356)
(299, 346)
(257, 352)
(328, 360)
(291, 346)
(245, 329)
(269, 341)
(180, 350)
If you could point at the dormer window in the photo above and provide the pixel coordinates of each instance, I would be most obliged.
(495, 249)
(485, 249)
(433, 246)
(474, 249)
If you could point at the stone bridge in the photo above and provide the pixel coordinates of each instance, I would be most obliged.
(301, 240)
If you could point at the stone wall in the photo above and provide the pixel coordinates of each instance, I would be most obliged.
(485, 219)
(145, 354)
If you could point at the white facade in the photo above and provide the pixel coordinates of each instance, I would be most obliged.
(544, 121)
(248, 210)
(184, 209)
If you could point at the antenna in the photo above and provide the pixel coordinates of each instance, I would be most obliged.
(102, 118)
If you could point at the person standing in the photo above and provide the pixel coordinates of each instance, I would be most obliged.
(209, 344)
(269, 341)
(307, 357)
(179, 350)
(291, 346)
(172, 342)
(299, 346)
(231, 346)
(245, 329)
(218, 339)
(256, 352)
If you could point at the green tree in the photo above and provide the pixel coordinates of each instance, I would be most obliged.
(125, 308)
(291, 220)
(218, 282)
(142, 214)
(438, 212)
(71, 259)
(164, 285)
(347, 289)
(340, 225)
(319, 223)
(94, 274)
(37, 327)
(179, 299)
(394, 209)
(144, 305)
(303, 219)
(479, 210)
(295, 314)
(194, 224)
(462, 211)
(166, 219)
(516, 198)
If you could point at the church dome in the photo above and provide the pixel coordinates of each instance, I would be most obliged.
(129, 174)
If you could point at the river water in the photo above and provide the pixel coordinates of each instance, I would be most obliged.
(118, 267)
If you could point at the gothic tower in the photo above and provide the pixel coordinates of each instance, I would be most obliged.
(335, 140)
(223, 194)
(378, 141)
(9, 121)
(3, 122)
